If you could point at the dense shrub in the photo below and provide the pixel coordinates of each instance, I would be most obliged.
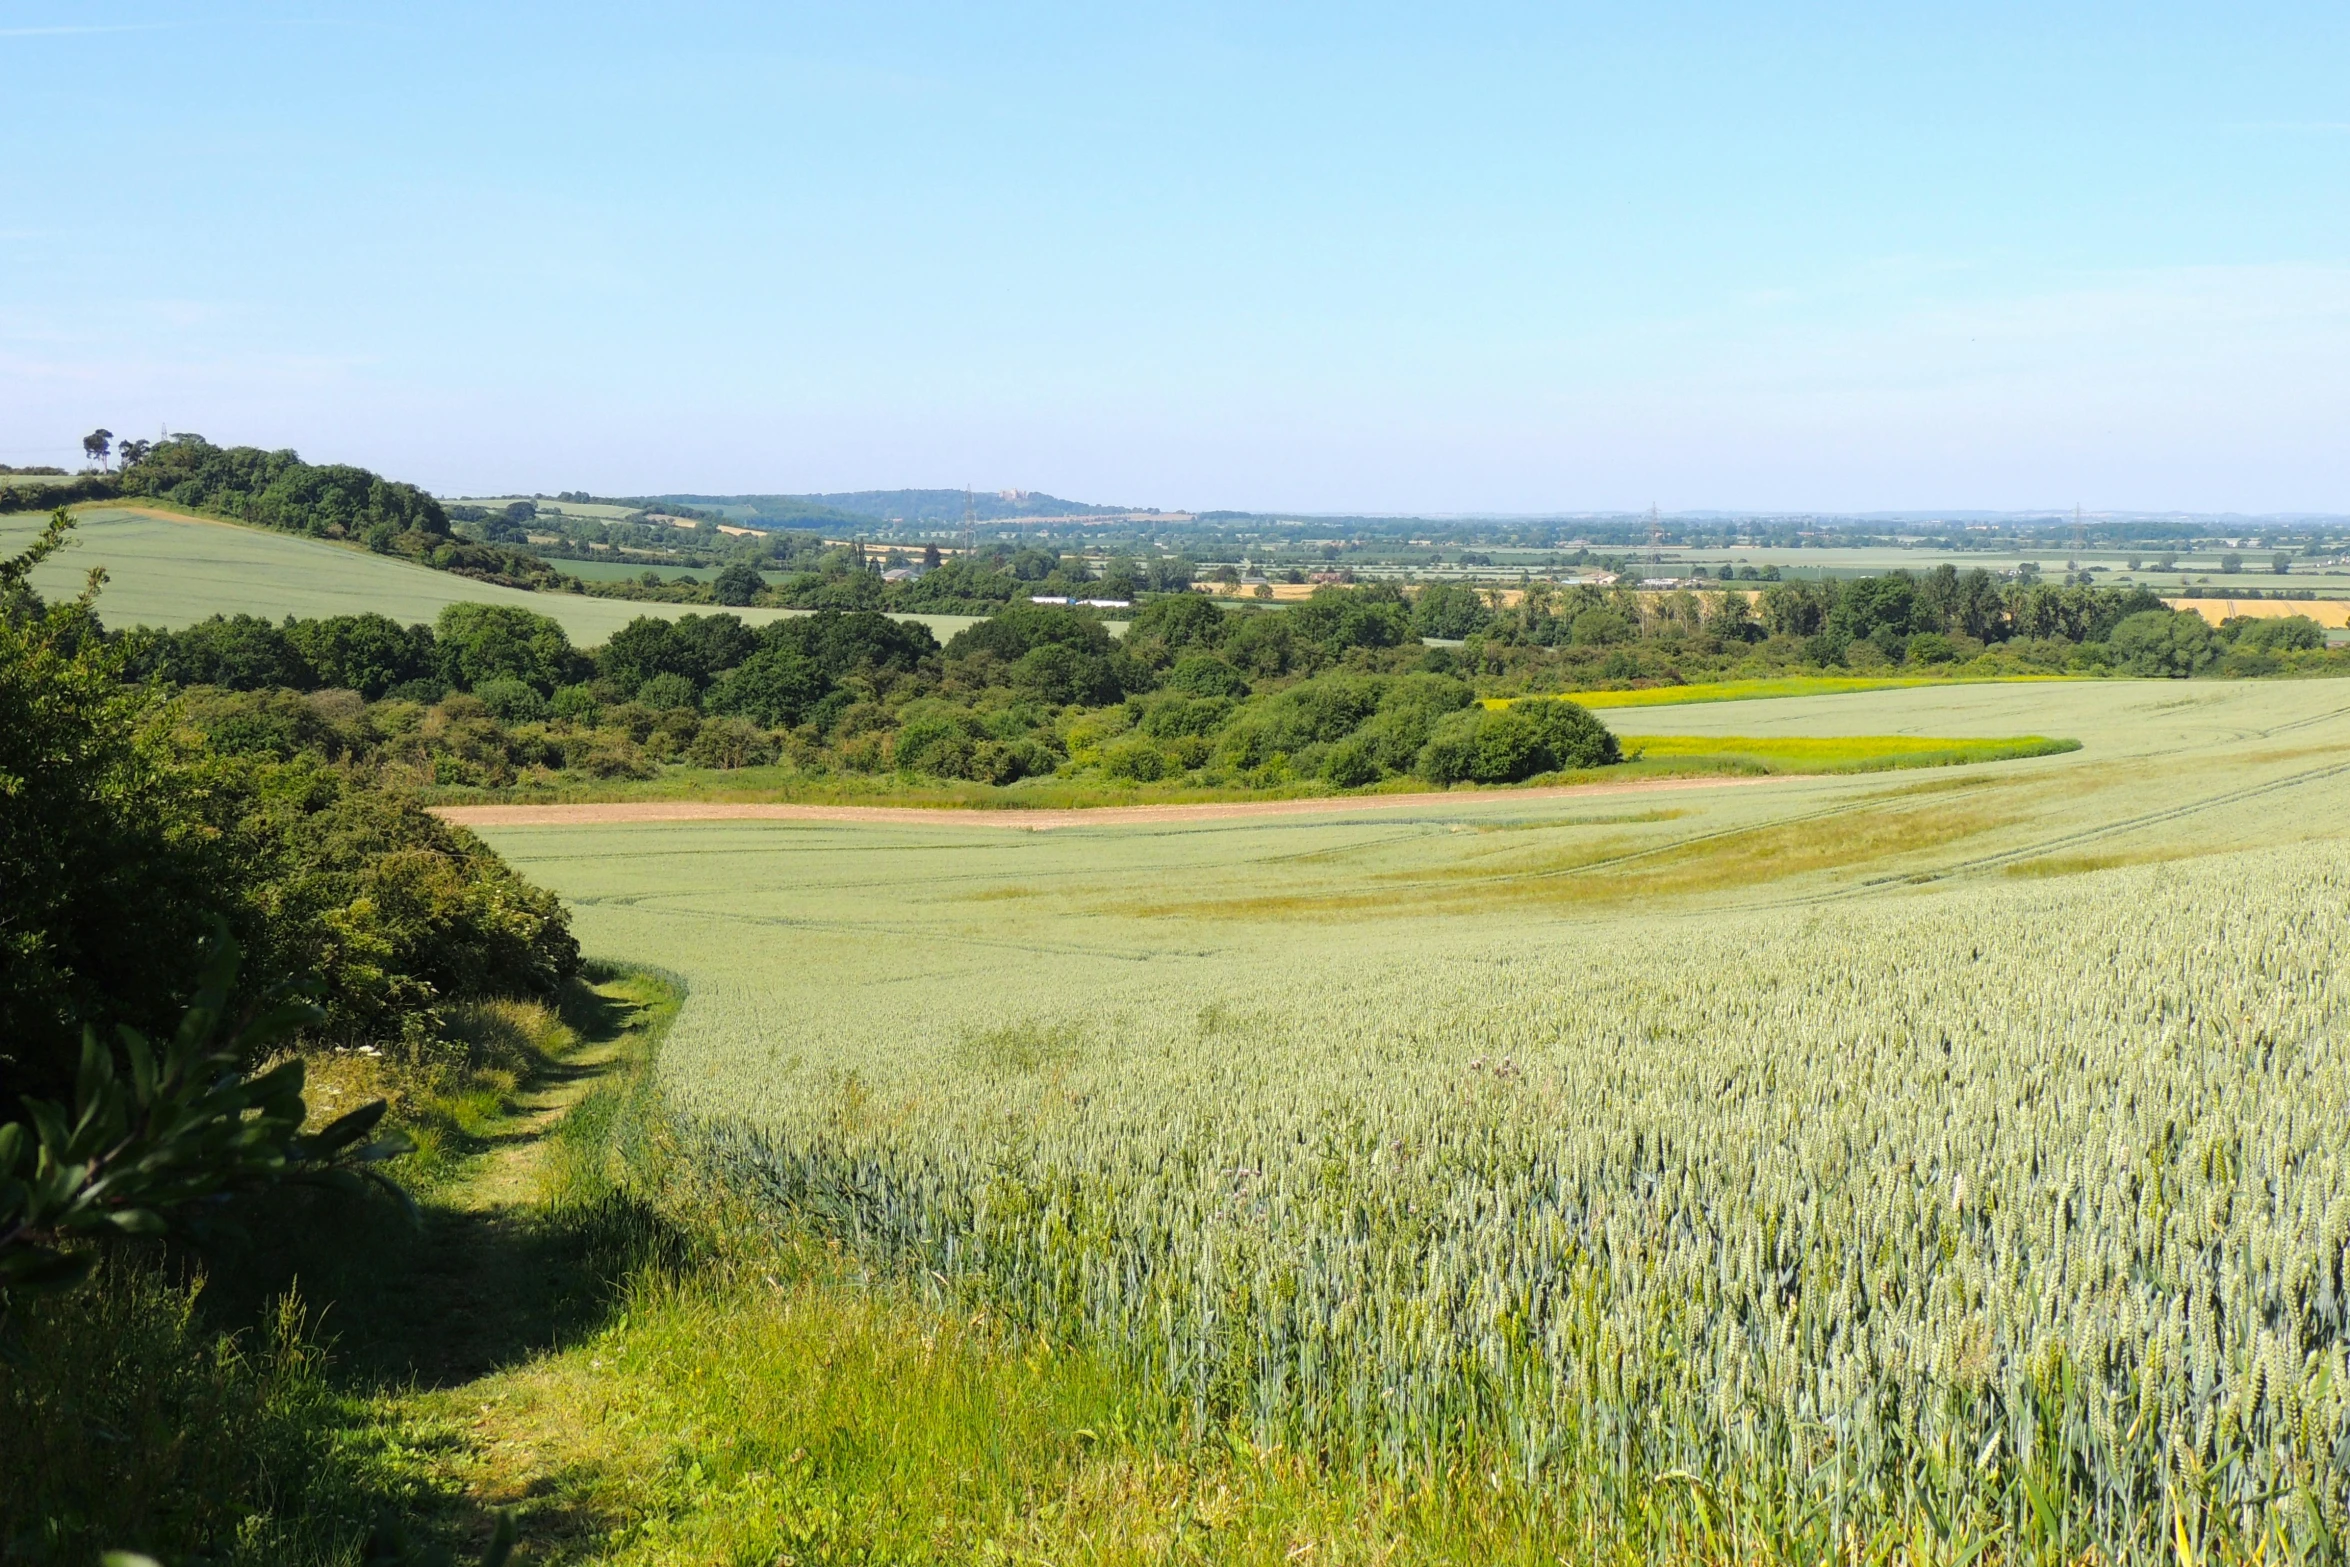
(127, 831)
(1201, 674)
(2277, 634)
(110, 852)
(478, 642)
(873, 647)
(1336, 619)
(1449, 611)
(738, 583)
(2163, 643)
(1020, 629)
(1478, 745)
(512, 701)
(1061, 672)
(367, 653)
(1178, 622)
(774, 686)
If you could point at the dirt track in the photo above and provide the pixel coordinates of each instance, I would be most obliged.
(626, 811)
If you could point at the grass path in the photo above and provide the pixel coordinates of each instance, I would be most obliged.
(429, 1328)
(508, 1175)
(510, 1277)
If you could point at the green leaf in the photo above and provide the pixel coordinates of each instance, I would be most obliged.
(142, 1059)
(97, 1069)
(201, 1128)
(49, 1123)
(501, 1544)
(345, 1130)
(36, 1269)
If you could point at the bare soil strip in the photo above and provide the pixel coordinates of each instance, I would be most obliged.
(616, 812)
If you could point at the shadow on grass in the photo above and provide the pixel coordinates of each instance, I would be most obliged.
(465, 1293)
(468, 1288)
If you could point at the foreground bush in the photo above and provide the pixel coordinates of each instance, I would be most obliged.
(126, 835)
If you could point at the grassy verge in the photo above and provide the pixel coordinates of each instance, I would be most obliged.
(237, 1400)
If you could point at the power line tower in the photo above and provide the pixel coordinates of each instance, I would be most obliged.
(970, 522)
(1656, 534)
(2080, 539)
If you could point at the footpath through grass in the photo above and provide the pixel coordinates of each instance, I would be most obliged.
(586, 1333)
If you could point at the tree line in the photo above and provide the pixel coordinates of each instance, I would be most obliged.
(491, 696)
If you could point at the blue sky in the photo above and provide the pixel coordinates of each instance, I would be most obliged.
(1452, 258)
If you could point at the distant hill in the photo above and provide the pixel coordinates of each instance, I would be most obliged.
(937, 507)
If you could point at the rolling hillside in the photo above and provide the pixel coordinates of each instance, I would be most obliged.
(172, 571)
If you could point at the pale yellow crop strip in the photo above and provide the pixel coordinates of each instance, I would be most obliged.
(1761, 690)
(1841, 753)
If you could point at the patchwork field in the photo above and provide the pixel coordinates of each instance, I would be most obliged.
(172, 571)
(1954, 1152)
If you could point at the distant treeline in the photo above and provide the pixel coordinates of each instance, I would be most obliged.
(1941, 618)
(936, 507)
(494, 694)
(280, 490)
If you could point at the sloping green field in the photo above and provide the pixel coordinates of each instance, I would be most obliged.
(1721, 1148)
(171, 571)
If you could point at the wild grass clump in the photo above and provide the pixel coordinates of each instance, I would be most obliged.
(131, 1424)
(505, 1037)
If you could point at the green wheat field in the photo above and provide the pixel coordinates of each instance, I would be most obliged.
(1960, 1152)
(169, 571)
